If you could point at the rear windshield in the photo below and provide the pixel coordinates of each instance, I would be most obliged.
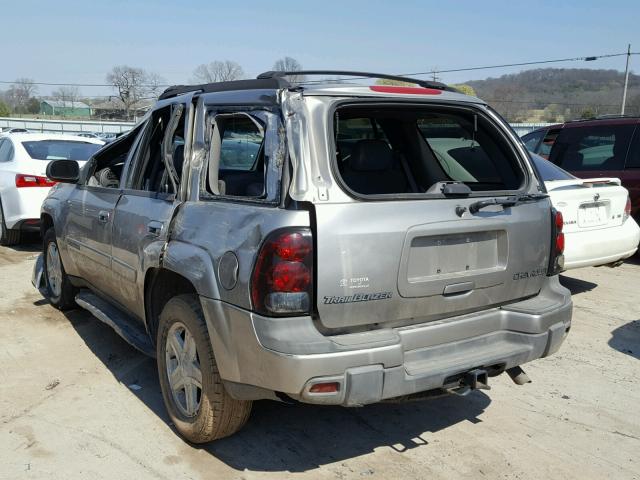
(548, 171)
(399, 150)
(60, 149)
(598, 147)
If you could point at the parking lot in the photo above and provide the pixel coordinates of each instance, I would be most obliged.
(76, 401)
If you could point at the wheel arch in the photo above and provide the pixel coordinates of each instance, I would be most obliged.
(160, 286)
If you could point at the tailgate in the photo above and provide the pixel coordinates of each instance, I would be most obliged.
(397, 263)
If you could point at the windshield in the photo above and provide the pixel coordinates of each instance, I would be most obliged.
(548, 170)
(60, 149)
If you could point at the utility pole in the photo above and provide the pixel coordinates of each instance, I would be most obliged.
(626, 80)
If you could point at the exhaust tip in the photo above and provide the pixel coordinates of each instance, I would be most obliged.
(518, 376)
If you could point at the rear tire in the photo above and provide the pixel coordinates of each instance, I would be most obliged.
(8, 236)
(60, 291)
(186, 364)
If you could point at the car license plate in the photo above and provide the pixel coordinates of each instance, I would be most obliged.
(592, 215)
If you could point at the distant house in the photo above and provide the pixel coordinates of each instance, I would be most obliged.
(64, 108)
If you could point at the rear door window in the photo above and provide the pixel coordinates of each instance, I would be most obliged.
(599, 147)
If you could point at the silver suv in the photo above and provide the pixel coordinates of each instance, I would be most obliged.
(325, 243)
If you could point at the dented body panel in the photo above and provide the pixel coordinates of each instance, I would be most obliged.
(408, 293)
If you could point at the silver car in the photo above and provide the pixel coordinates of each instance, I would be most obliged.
(328, 243)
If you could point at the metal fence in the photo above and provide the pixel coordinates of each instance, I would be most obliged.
(70, 126)
(65, 126)
(524, 128)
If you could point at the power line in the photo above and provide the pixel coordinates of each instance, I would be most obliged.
(488, 67)
(432, 72)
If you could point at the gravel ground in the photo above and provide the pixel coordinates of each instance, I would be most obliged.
(76, 401)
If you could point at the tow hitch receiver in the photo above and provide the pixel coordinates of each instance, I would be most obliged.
(477, 379)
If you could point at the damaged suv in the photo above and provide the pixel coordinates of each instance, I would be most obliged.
(327, 243)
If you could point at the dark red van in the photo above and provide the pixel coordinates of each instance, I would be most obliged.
(602, 147)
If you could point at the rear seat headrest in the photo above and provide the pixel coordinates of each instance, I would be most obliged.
(371, 156)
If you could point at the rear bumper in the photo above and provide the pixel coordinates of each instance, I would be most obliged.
(23, 204)
(599, 247)
(289, 355)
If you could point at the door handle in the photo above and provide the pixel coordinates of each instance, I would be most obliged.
(103, 216)
(154, 227)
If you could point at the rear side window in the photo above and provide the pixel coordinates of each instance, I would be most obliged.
(600, 147)
(6, 150)
(60, 149)
(403, 150)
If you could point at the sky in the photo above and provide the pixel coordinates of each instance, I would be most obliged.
(79, 41)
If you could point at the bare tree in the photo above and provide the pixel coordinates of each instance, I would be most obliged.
(20, 92)
(134, 84)
(67, 94)
(218, 71)
(289, 64)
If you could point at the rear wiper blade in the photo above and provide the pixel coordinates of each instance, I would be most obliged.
(506, 202)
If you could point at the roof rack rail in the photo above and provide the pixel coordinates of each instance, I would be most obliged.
(606, 116)
(259, 84)
(347, 73)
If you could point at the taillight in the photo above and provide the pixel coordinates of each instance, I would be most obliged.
(23, 181)
(282, 279)
(627, 210)
(556, 260)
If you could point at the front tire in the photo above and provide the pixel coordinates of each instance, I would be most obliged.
(197, 402)
(61, 293)
(8, 236)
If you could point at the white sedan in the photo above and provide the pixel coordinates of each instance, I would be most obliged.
(598, 227)
(23, 183)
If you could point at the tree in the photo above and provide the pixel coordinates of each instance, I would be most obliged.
(587, 112)
(218, 71)
(5, 110)
(66, 94)
(466, 89)
(133, 84)
(19, 94)
(398, 83)
(289, 64)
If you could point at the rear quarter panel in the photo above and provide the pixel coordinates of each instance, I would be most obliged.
(204, 231)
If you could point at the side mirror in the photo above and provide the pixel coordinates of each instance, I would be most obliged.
(65, 171)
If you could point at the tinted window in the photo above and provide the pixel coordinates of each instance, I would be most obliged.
(531, 139)
(60, 149)
(601, 147)
(548, 171)
(633, 159)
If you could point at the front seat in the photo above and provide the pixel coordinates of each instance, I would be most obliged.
(370, 169)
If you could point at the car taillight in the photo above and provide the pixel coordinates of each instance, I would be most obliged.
(556, 259)
(282, 279)
(627, 210)
(23, 181)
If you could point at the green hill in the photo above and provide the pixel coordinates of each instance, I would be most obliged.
(556, 94)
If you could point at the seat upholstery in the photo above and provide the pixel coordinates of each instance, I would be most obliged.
(370, 169)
